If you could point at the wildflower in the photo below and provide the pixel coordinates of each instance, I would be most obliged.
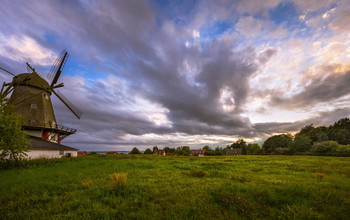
(320, 176)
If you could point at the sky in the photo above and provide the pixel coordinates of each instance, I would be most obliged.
(194, 73)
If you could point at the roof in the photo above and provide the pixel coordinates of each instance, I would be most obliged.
(39, 144)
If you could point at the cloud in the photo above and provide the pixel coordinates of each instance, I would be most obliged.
(319, 119)
(321, 89)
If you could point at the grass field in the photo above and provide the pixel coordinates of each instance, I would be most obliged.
(158, 187)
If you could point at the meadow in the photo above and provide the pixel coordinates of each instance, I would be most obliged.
(173, 187)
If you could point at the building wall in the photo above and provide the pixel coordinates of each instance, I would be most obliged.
(35, 133)
(33, 154)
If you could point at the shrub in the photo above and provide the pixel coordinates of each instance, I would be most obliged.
(325, 147)
(343, 149)
(13, 141)
(118, 179)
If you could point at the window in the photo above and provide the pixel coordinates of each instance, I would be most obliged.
(46, 96)
(32, 122)
(61, 152)
(33, 106)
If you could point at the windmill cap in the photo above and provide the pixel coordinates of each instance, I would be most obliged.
(33, 80)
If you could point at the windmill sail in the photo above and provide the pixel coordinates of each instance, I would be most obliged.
(75, 110)
(57, 67)
(7, 71)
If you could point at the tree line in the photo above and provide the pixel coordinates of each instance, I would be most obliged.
(322, 140)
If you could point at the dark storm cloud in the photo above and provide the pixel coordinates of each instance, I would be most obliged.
(321, 89)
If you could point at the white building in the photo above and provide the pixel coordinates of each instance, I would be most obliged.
(46, 149)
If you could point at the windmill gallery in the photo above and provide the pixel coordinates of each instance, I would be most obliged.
(31, 99)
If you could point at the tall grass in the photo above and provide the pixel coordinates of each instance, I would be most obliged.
(118, 180)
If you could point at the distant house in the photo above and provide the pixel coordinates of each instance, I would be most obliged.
(199, 152)
(159, 152)
(234, 151)
(111, 152)
(81, 154)
(45, 149)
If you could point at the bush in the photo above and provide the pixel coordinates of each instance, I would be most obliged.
(13, 141)
(325, 147)
(118, 179)
(343, 149)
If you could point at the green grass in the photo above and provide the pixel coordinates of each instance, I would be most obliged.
(158, 187)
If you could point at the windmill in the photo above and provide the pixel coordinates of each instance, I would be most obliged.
(31, 98)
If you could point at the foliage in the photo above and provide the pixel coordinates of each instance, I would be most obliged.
(240, 143)
(330, 148)
(343, 149)
(13, 141)
(254, 149)
(340, 131)
(325, 147)
(301, 143)
(184, 150)
(272, 144)
(135, 151)
(217, 151)
(315, 134)
(234, 187)
(340, 135)
(148, 151)
(169, 150)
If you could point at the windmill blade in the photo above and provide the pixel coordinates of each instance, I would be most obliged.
(30, 68)
(75, 110)
(57, 67)
(7, 71)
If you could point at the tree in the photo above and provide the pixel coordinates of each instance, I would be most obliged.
(208, 151)
(183, 150)
(13, 141)
(254, 149)
(206, 147)
(340, 131)
(155, 149)
(148, 151)
(169, 150)
(135, 151)
(275, 142)
(317, 134)
(219, 151)
(340, 135)
(240, 143)
(301, 143)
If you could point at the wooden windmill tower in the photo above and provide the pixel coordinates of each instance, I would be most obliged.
(31, 99)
